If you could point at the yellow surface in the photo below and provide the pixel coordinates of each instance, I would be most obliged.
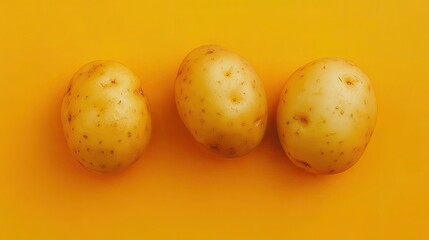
(178, 190)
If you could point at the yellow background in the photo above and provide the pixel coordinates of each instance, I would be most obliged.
(178, 190)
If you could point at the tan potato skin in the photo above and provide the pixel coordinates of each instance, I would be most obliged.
(221, 101)
(105, 116)
(326, 115)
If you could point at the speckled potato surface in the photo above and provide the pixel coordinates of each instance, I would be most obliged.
(326, 115)
(221, 100)
(105, 116)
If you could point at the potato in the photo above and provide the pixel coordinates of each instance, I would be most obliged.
(221, 101)
(105, 116)
(326, 115)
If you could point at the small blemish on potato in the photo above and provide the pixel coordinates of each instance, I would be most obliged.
(210, 51)
(232, 151)
(100, 142)
(203, 110)
(102, 166)
(87, 149)
(119, 140)
(219, 114)
(287, 123)
(85, 136)
(302, 76)
(214, 147)
(324, 67)
(349, 80)
(341, 111)
(259, 121)
(78, 96)
(341, 153)
(228, 73)
(243, 124)
(102, 151)
(297, 133)
(304, 163)
(112, 152)
(129, 134)
(322, 153)
(69, 118)
(202, 121)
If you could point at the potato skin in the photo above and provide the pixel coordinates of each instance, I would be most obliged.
(326, 115)
(221, 101)
(105, 116)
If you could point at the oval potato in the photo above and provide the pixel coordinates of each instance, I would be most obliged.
(326, 115)
(221, 101)
(105, 116)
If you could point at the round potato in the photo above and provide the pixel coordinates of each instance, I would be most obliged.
(105, 116)
(326, 115)
(221, 100)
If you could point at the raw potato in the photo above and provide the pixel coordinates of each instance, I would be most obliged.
(221, 100)
(105, 116)
(326, 115)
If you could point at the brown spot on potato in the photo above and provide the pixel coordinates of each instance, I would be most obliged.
(210, 51)
(203, 110)
(349, 80)
(228, 73)
(304, 163)
(302, 118)
(129, 134)
(85, 136)
(87, 149)
(112, 151)
(287, 123)
(69, 118)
